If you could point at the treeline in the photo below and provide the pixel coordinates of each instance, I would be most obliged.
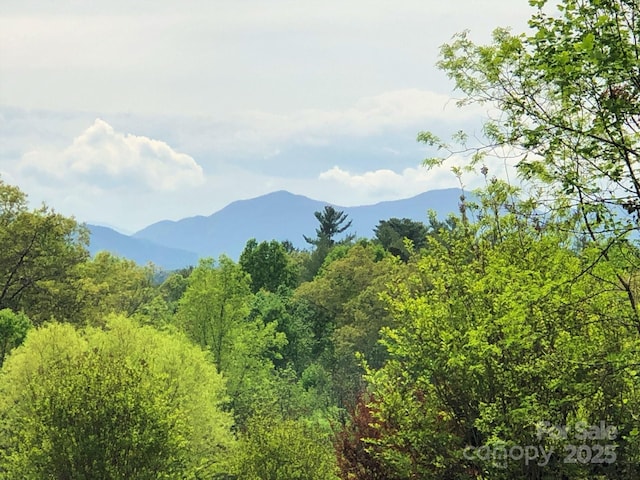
(223, 369)
(500, 343)
(391, 361)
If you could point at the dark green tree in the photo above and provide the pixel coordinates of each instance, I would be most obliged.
(13, 330)
(269, 265)
(392, 234)
(332, 223)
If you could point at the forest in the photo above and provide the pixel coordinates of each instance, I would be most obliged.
(499, 343)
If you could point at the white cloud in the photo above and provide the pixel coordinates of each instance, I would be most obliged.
(394, 109)
(260, 133)
(387, 184)
(376, 185)
(103, 157)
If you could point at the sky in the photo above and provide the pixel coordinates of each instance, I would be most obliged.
(125, 113)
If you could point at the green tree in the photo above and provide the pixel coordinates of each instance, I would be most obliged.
(13, 330)
(173, 287)
(332, 223)
(269, 265)
(568, 95)
(214, 305)
(39, 253)
(346, 314)
(110, 284)
(393, 233)
(275, 449)
(500, 327)
(215, 313)
(290, 318)
(125, 402)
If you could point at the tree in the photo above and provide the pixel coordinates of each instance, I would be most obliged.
(569, 101)
(289, 316)
(568, 97)
(110, 284)
(276, 449)
(215, 313)
(347, 313)
(213, 306)
(125, 402)
(331, 224)
(269, 265)
(392, 234)
(499, 328)
(13, 330)
(39, 253)
(352, 443)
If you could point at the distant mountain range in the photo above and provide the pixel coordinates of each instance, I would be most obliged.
(140, 250)
(279, 215)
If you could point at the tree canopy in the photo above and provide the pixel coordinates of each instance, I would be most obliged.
(125, 402)
(40, 252)
(393, 233)
(269, 265)
(500, 343)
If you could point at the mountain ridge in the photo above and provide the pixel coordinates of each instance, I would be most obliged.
(279, 215)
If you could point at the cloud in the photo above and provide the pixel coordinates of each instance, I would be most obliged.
(391, 110)
(388, 184)
(105, 158)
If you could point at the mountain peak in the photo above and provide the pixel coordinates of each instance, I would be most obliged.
(282, 215)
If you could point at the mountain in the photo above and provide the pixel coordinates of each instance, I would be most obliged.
(283, 216)
(140, 250)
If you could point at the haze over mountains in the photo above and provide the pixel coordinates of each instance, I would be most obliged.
(279, 215)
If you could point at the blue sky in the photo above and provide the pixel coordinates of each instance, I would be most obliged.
(125, 113)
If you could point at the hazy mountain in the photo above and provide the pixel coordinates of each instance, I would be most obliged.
(278, 215)
(140, 250)
(284, 216)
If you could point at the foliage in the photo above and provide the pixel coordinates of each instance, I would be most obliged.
(504, 326)
(215, 311)
(392, 234)
(269, 265)
(126, 402)
(13, 330)
(110, 284)
(567, 93)
(173, 287)
(289, 317)
(214, 305)
(332, 223)
(39, 253)
(352, 443)
(347, 314)
(275, 449)
(568, 101)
